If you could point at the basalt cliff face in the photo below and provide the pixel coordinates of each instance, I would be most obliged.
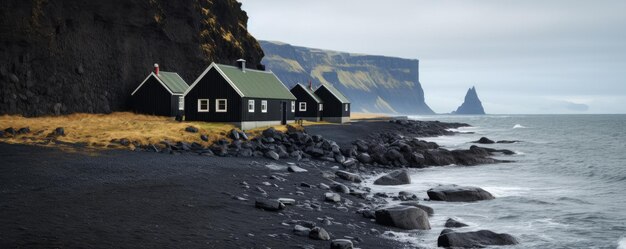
(87, 56)
(372, 83)
(471, 105)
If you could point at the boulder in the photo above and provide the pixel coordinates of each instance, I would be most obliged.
(287, 201)
(397, 177)
(349, 162)
(341, 244)
(269, 204)
(191, 129)
(430, 211)
(296, 169)
(315, 152)
(340, 188)
(24, 130)
(455, 193)
(233, 134)
(404, 217)
(59, 131)
(319, 233)
(478, 239)
(484, 140)
(301, 231)
(10, 130)
(348, 176)
(364, 158)
(452, 223)
(332, 197)
(243, 135)
(269, 132)
(272, 155)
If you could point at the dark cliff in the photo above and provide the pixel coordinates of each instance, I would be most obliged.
(471, 105)
(87, 56)
(372, 83)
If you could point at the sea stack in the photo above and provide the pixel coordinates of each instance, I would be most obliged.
(471, 105)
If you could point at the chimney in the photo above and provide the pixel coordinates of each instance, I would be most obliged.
(156, 69)
(310, 85)
(241, 63)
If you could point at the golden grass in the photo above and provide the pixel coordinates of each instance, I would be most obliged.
(362, 115)
(98, 130)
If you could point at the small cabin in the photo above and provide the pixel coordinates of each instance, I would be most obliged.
(245, 97)
(308, 105)
(161, 94)
(336, 105)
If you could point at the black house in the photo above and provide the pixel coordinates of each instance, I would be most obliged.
(308, 106)
(161, 93)
(336, 106)
(245, 97)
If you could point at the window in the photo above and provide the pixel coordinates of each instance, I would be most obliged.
(302, 107)
(263, 105)
(181, 103)
(220, 105)
(251, 105)
(203, 105)
(321, 107)
(293, 106)
(346, 107)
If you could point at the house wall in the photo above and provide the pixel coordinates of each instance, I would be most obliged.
(213, 86)
(312, 107)
(332, 106)
(274, 110)
(153, 99)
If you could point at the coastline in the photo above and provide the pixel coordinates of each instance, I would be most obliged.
(154, 194)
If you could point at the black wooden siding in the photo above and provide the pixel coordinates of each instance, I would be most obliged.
(312, 107)
(213, 86)
(274, 110)
(332, 106)
(153, 99)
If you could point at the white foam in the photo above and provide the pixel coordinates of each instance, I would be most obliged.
(518, 126)
(500, 191)
(621, 244)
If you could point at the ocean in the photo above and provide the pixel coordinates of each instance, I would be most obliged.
(566, 188)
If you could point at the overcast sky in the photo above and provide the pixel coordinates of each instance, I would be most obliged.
(525, 56)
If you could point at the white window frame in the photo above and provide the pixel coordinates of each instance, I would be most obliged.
(181, 103)
(217, 105)
(301, 107)
(263, 105)
(200, 105)
(346, 107)
(251, 104)
(321, 107)
(293, 106)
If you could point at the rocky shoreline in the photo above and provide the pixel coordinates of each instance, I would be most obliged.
(312, 184)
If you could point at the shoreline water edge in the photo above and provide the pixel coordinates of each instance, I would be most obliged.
(307, 189)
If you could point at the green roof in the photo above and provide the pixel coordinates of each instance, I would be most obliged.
(174, 82)
(310, 92)
(256, 84)
(336, 92)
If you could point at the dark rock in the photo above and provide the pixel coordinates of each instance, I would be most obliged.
(269, 132)
(269, 204)
(315, 152)
(478, 239)
(243, 135)
(452, 223)
(287, 201)
(191, 129)
(1, 133)
(204, 138)
(124, 142)
(398, 177)
(404, 217)
(369, 214)
(319, 233)
(272, 155)
(24, 130)
(11, 131)
(340, 188)
(59, 131)
(484, 140)
(233, 134)
(348, 176)
(301, 230)
(341, 244)
(340, 158)
(317, 138)
(296, 169)
(455, 193)
(14, 78)
(508, 141)
(349, 162)
(430, 211)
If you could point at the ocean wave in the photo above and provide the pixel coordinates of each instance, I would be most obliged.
(518, 126)
(621, 243)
